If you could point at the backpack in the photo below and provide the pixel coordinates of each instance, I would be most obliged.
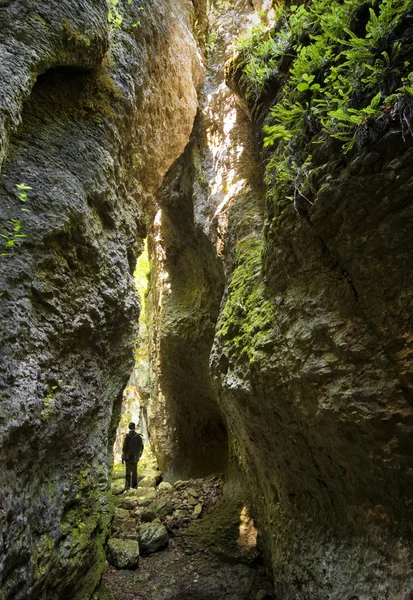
(132, 446)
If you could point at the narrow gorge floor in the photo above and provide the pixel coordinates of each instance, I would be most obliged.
(196, 541)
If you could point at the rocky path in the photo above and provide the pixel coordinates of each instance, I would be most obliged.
(192, 540)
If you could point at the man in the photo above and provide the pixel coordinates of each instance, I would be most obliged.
(131, 453)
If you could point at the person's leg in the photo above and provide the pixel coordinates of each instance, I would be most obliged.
(128, 474)
(134, 474)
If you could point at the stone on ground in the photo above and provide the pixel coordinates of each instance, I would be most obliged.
(197, 511)
(127, 503)
(148, 515)
(125, 529)
(121, 513)
(148, 482)
(118, 472)
(141, 493)
(152, 537)
(164, 486)
(161, 508)
(123, 554)
(117, 487)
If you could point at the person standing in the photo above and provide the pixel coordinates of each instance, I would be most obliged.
(131, 452)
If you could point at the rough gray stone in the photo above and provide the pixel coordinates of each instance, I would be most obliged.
(77, 129)
(127, 503)
(148, 482)
(164, 486)
(152, 537)
(123, 554)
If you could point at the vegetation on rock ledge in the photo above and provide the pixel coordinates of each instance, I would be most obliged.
(340, 70)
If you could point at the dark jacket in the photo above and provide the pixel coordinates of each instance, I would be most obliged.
(132, 446)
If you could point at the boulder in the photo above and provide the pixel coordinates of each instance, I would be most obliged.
(164, 486)
(141, 493)
(127, 503)
(148, 515)
(148, 482)
(123, 554)
(125, 529)
(117, 487)
(161, 508)
(179, 483)
(143, 502)
(151, 473)
(197, 511)
(152, 537)
(121, 513)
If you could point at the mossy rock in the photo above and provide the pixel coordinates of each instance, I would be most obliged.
(121, 513)
(164, 486)
(148, 482)
(125, 529)
(123, 554)
(152, 537)
(117, 487)
(161, 508)
(126, 503)
(118, 472)
(141, 493)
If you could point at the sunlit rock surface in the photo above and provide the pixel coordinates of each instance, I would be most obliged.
(311, 358)
(91, 132)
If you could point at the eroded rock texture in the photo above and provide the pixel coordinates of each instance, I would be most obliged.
(311, 358)
(189, 240)
(91, 131)
(313, 369)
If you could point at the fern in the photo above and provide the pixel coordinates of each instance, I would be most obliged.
(338, 83)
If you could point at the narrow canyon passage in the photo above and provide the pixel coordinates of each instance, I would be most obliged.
(205, 224)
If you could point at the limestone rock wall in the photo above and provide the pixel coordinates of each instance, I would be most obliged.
(312, 363)
(91, 119)
(321, 398)
(193, 249)
(311, 358)
(188, 434)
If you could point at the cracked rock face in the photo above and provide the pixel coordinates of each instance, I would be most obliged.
(91, 134)
(313, 369)
(311, 357)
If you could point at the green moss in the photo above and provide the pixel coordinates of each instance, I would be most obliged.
(125, 419)
(246, 324)
(41, 555)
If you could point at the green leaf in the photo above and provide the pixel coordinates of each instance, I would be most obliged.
(302, 87)
(376, 100)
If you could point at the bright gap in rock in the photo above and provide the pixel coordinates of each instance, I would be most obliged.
(136, 393)
(247, 538)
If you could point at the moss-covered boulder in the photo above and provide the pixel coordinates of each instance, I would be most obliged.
(117, 487)
(123, 554)
(141, 493)
(126, 502)
(118, 471)
(152, 537)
